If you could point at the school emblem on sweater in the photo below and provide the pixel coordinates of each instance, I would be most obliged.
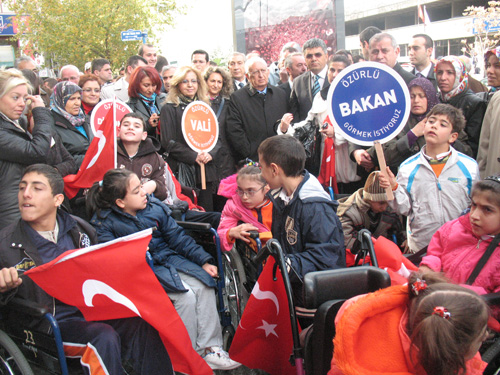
(291, 235)
(146, 169)
(84, 240)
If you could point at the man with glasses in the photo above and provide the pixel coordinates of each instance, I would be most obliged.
(120, 87)
(307, 85)
(254, 111)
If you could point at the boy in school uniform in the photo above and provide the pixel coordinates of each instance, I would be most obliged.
(304, 218)
(433, 186)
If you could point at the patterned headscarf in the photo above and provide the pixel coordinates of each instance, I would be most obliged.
(60, 96)
(430, 93)
(461, 77)
(495, 51)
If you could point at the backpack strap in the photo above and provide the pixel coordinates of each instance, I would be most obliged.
(484, 258)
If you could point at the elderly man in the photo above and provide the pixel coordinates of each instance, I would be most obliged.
(120, 87)
(69, 73)
(148, 52)
(295, 65)
(167, 73)
(385, 50)
(236, 67)
(420, 51)
(254, 111)
(306, 86)
(25, 62)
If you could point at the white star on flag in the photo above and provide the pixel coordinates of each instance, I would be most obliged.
(268, 328)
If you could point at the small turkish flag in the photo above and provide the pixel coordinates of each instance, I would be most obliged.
(113, 281)
(263, 339)
(99, 158)
(391, 259)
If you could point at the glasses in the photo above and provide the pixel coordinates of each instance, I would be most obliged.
(192, 81)
(258, 72)
(248, 193)
(97, 91)
(317, 55)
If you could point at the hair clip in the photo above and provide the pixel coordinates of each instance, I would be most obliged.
(418, 286)
(442, 312)
(249, 162)
(100, 183)
(493, 178)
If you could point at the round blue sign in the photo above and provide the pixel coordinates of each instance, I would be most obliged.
(369, 102)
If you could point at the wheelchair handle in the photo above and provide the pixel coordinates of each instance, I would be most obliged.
(253, 234)
(261, 255)
(365, 237)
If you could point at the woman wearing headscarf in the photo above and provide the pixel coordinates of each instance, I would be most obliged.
(452, 80)
(186, 86)
(69, 119)
(145, 98)
(488, 154)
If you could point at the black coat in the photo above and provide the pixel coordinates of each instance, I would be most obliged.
(251, 119)
(431, 76)
(18, 149)
(138, 106)
(224, 161)
(74, 141)
(172, 140)
(406, 75)
(301, 97)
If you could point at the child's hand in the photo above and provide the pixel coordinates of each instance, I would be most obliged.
(210, 269)
(242, 232)
(384, 182)
(418, 129)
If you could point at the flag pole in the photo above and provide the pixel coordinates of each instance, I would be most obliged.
(114, 131)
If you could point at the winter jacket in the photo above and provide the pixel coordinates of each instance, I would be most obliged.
(473, 108)
(224, 161)
(488, 156)
(429, 201)
(172, 140)
(18, 150)
(234, 212)
(171, 248)
(353, 214)
(17, 250)
(137, 106)
(251, 119)
(147, 164)
(308, 229)
(371, 337)
(74, 141)
(455, 250)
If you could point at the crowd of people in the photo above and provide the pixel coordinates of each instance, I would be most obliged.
(281, 167)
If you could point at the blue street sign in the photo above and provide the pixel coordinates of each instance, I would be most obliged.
(130, 35)
(369, 102)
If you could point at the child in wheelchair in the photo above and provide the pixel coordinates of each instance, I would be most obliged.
(247, 204)
(426, 327)
(120, 207)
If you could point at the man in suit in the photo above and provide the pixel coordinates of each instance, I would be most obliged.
(295, 65)
(306, 86)
(385, 50)
(420, 51)
(120, 87)
(236, 67)
(364, 40)
(254, 111)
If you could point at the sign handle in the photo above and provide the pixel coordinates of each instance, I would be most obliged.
(203, 182)
(383, 168)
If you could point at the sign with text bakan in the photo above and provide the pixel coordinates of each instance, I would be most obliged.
(101, 110)
(369, 102)
(200, 126)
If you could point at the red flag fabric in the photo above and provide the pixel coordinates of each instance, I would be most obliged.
(327, 176)
(99, 158)
(113, 281)
(263, 339)
(391, 259)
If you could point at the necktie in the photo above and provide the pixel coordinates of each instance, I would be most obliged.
(241, 84)
(420, 75)
(316, 87)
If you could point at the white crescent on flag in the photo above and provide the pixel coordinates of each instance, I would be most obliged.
(262, 294)
(100, 146)
(91, 288)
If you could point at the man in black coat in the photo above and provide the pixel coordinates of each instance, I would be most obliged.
(420, 51)
(306, 86)
(254, 111)
(295, 65)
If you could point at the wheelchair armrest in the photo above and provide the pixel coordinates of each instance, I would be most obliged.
(492, 299)
(28, 307)
(202, 227)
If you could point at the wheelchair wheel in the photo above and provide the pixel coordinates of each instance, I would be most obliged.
(234, 275)
(12, 360)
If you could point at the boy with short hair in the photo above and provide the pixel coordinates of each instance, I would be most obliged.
(433, 187)
(139, 153)
(304, 218)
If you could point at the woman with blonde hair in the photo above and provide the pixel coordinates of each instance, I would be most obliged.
(187, 85)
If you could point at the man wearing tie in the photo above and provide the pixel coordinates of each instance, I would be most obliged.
(307, 85)
(420, 51)
(236, 67)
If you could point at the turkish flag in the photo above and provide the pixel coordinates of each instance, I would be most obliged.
(113, 281)
(327, 176)
(99, 158)
(263, 339)
(391, 259)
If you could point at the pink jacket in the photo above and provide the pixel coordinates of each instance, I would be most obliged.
(234, 212)
(455, 250)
